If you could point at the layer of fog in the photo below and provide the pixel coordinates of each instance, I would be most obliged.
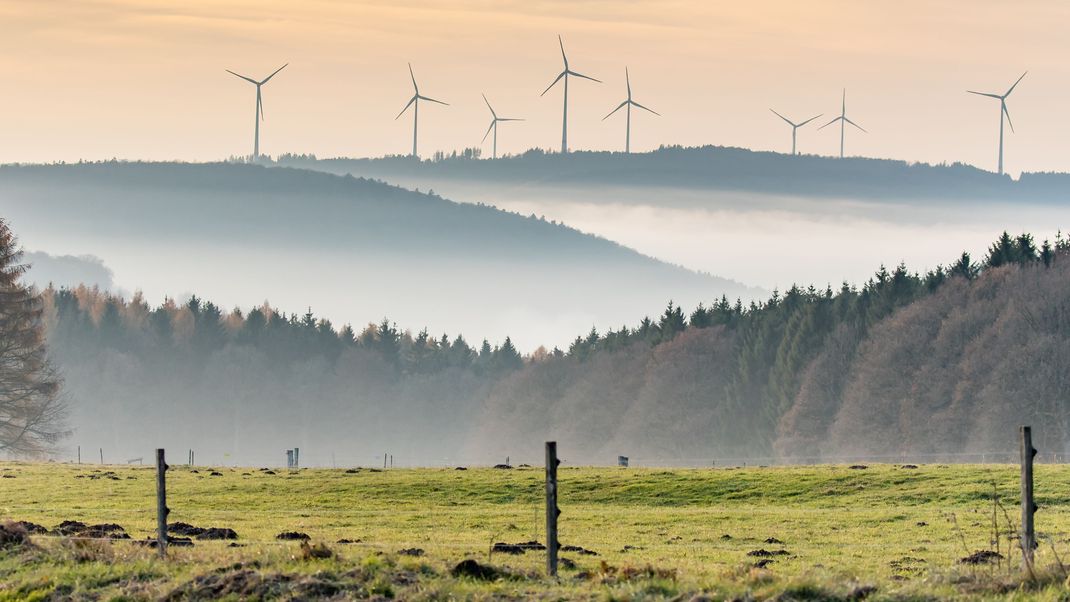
(765, 240)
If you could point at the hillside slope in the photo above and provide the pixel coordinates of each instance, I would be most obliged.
(350, 247)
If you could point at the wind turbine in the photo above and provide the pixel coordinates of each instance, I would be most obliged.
(564, 113)
(843, 121)
(415, 100)
(259, 114)
(629, 103)
(794, 127)
(494, 125)
(1002, 112)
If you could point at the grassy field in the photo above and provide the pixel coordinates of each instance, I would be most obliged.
(883, 532)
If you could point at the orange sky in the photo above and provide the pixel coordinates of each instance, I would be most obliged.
(145, 79)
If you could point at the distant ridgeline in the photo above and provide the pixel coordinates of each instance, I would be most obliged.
(716, 167)
(950, 361)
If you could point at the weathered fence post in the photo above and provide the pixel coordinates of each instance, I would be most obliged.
(289, 458)
(161, 504)
(79, 454)
(297, 457)
(552, 511)
(102, 455)
(384, 460)
(1028, 536)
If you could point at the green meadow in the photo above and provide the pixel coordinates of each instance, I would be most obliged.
(883, 532)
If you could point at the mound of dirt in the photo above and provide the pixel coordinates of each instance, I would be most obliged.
(773, 540)
(184, 529)
(69, 527)
(981, 557)
(349, 541)
(531, 545)
(105, 531)
(858, 467)
(411, 552)
(763, 553)
(293, 536)
(506, 548)
(579, 550)
(460, 468)
(215, 533)
(503, 467)
(475, 570)
(12, 535)
(31, 528)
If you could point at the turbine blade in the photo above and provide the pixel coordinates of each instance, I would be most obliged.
(1008, 114)
(785, 118)
(619, 107)
(563, 57)
(493, 114)
(273, 74)
(830, 123)
(414, 86)
(808, 120)
(511, 119)
(562, 74)
(854, 124)
(248, 79)
(1015, 85)
(433, 100)
(411, 100)
(260, 103)
(583, 76)
(492, 122)
(628, 81)
(985, 94)
(645, 108)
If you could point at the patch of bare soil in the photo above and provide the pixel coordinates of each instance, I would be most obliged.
(411, 552)
(981, 557)
(13, 535)
(476, 570)
(579, 550)
(292, 536)
(31, 528)
(763, 553)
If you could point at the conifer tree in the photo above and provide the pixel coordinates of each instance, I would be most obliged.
(31, 408)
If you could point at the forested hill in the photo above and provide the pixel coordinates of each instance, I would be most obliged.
(947, 362)
(349, 247)
(713, 168)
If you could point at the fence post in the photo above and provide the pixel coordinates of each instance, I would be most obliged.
(297, 457)
(1028, 536)
(161, 504)
(289, 458)
(102, 455)
(79, 454)
(384, 460)
(552, 511)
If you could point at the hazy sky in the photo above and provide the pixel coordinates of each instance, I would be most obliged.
(145, 79)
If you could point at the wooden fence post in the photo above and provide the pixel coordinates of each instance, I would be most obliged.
(289, 458)
(552, 511)
(102, 455)
(1028, 537)
(297, 457)
(161, 504)
(79, 454)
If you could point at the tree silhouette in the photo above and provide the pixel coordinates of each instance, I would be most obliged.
(31, 409)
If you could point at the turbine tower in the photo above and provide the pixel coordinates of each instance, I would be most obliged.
(1002, 112)
(794, 127)
(259, 114)
(627, 105)
(494, 125)
(564, 113)
(415, 100)
(843, 121)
